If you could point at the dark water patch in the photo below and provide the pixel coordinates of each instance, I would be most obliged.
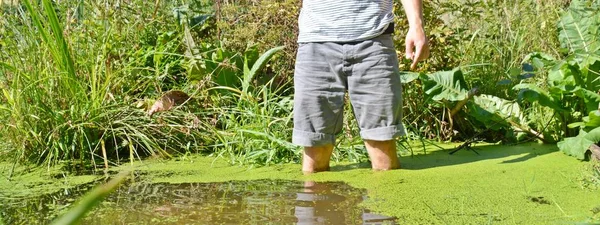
(539, 200)
(233, 202)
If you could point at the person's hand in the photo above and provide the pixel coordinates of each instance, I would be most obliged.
(417, 46)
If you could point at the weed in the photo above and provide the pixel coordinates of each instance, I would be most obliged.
(69, 87)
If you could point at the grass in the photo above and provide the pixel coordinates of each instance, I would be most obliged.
(497, 35)
(77, 76)
(71, 89)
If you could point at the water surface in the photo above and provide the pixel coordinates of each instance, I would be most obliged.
(233, 202)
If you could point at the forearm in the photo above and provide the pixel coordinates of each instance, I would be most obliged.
(414, 12)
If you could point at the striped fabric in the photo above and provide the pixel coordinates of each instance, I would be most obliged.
(343, 20)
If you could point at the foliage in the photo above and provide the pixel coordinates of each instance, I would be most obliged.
(495, 112)
(578, 146)
(70, 86)
(445, 85)
(573, 82)
(264, 25)
(255, 121)
(579, 32)
(77, 77)
(488, 40)
(448, 91)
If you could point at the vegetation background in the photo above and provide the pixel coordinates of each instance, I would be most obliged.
(78, 78)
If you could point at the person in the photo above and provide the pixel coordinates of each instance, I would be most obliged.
(346, 46)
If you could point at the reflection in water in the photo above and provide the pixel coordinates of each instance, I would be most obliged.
(234, 202)
(316, 204)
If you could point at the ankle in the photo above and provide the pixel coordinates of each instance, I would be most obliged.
(384, 166)
(315, 163)
(310, 170)
(382, 155)
(316, 159)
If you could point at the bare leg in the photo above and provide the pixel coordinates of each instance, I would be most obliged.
(316, 159)
(382, 154)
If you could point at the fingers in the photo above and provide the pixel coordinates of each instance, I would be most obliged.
(421, 53)
(416, 58)
(409, 49)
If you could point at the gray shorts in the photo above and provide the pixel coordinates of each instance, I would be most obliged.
(368, 70)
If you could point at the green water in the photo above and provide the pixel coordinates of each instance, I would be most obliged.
(524, 184)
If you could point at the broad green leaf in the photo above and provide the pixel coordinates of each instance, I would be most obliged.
(593, 120)
(500, 106)
(590, 69)
(259, 64)
(589, 122)
(578, 28)
(503, 82)
(532, 93)
(590, 98)
(514, 72)
(495, 112)
(539, 59)
(576, 124)
(446, 85)
(576, 146)
(407, 77)
(200, 20)
(489, 120)
(224, 67)
(251, 55)
(564, 77)
(593, 135)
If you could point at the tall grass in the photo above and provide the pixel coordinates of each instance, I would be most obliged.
(67, 90)
(498, 35)
(76, 75)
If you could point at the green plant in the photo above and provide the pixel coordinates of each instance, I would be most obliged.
(573, 82)
(488, 40)
(91, 199)
(69, 87)
(266, 25)
(254, 118)
(465, 108)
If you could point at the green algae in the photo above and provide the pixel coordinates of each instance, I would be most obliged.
(26, 181)
(524, 184)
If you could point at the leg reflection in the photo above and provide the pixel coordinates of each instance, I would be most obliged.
(315, 204)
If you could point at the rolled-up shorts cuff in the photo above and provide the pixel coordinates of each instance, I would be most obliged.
(311, 139)
(383, 133)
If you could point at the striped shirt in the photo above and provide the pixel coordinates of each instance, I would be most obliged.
(343, 20)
